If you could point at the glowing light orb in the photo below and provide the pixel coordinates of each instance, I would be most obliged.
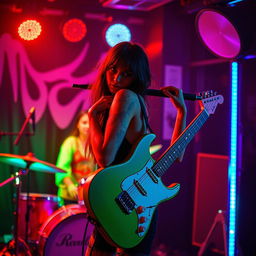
(74, 30)
(29, 30)
(218, 34)
(117, 33)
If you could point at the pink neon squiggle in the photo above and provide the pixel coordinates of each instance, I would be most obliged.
(61, 114)
(10, 48)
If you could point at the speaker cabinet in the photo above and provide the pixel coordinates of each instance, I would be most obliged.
(211, 195)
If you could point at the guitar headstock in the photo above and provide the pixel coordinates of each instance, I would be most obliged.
(210, 101)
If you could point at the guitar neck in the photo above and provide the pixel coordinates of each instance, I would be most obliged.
(175, 150)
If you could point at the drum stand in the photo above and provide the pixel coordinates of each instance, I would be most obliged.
(16, 177)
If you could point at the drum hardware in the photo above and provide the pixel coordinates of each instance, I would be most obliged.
(80, 195)
(10, 248)
(26, 163)
(16, 177)
(84, 236)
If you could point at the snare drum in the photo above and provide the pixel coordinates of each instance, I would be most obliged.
(63, 232)
(41, 206)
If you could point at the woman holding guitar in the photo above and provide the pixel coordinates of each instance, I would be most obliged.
(117, 121)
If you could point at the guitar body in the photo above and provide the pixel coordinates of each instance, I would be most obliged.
(122, 198)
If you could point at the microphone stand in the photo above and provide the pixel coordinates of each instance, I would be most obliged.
(20, 133)
(31, 115)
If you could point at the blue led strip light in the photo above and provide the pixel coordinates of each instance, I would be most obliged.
(233, 160)
(232, 3)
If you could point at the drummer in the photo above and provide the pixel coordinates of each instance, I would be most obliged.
(76, 159)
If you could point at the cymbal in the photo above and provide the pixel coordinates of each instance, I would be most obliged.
(29, 161)
(153, 149)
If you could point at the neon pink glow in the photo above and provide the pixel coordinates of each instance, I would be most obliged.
(61, 78)
(219, 34)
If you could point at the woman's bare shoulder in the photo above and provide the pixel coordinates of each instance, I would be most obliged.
(126, 96)
(125, 101)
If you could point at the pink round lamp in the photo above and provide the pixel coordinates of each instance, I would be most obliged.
(218, 33)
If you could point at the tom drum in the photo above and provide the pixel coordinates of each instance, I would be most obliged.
(41, 206)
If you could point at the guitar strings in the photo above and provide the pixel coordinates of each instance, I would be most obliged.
(132, 190)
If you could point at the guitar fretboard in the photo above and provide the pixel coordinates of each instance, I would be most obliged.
(174, 151)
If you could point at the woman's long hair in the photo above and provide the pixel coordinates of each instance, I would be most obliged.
(75, 132)
(132, 55)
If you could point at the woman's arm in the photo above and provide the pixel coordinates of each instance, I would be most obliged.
(122, 108)
(177, 99)
(64, 161)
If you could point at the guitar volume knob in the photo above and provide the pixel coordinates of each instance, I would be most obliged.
(142, 219)
(141, 229)
(140, 209)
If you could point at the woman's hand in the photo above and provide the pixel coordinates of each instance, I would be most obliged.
(99, 106)
(72, 190)
(176, 97)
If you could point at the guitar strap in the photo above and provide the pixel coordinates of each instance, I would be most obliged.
(144, 112)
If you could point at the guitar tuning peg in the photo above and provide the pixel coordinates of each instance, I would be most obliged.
(207, 94)
(202, 94)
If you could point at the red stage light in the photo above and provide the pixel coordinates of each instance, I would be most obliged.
(29, 29)
(74, 30)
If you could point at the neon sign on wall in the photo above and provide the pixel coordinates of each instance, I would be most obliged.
(61, 78)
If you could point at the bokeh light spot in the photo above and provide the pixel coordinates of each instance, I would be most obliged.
(29, 30)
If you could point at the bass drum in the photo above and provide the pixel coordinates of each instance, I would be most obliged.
(63, 232)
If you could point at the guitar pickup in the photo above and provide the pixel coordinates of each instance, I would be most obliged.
(125, 202)
(152, 175)
(140, 188)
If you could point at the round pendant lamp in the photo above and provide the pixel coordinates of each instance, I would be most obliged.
(227, 33)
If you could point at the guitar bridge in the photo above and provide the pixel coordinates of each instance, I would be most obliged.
(125, 202)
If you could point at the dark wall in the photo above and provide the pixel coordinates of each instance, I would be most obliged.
(247, 152)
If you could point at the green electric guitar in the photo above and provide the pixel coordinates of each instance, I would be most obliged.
(122, 198)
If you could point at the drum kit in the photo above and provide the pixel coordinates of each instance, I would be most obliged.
(41, 227)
